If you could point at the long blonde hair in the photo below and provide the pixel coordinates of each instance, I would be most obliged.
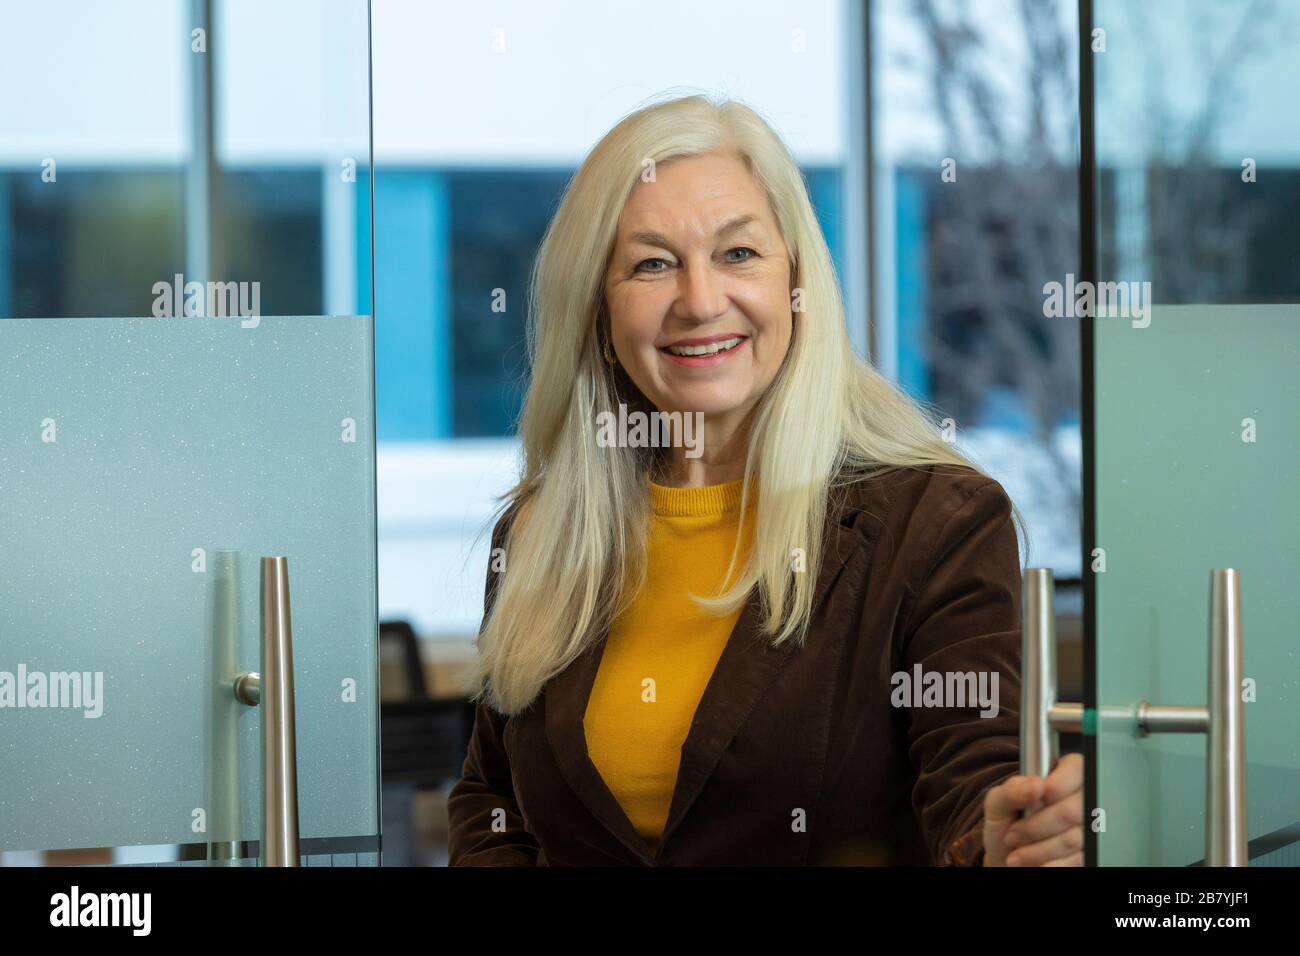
(575, 550)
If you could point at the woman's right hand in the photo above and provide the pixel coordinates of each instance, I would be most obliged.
(1053, 834)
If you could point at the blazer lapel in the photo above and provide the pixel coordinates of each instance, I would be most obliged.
(565, 703)
(748, 666)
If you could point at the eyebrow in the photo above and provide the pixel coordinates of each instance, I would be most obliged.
(658, 239)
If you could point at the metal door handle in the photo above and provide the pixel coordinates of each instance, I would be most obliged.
(1041, 716)
(1221, 719)
(1225, 743)
(272, 690)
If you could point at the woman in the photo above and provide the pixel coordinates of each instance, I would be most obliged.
(725, 651)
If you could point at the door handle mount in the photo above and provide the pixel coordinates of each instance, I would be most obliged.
(1221, 719)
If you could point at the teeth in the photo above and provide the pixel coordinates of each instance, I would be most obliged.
(711, 349)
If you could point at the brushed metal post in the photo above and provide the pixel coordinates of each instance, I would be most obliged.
(1041, 716)
(1225, 747)
(1066, 718)
(272, 690)
(1038, 676)
(1171, 719)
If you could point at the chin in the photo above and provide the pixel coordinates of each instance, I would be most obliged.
(710, 404)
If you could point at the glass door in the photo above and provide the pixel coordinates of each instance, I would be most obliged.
(1192, 372)
(186, 390)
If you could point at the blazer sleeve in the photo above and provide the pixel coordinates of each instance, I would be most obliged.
(485, 824)
(965, 618)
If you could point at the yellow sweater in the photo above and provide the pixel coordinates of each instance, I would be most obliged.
(662, 650)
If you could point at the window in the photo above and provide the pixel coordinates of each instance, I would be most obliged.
(976, 208)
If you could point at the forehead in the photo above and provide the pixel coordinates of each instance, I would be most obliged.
(695, 194)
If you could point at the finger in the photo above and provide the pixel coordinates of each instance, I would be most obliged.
(1075, 860)
(1047, 822)
(1065, 778)
(1061, 846)
(1005, 801)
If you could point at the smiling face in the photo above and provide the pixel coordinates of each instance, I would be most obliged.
(698, 291)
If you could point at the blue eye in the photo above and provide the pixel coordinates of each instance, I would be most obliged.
(641, 264)
(751, 252)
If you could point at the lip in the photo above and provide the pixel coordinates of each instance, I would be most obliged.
(707, 339)
(705, 361)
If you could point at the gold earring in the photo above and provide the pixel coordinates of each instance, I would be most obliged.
(604, 347)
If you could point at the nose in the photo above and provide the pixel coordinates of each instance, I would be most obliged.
(701, 294)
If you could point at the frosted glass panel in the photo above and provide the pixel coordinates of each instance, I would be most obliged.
(1197, 467)
(145, 467)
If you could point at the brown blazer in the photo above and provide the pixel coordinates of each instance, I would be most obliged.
(796, 756)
